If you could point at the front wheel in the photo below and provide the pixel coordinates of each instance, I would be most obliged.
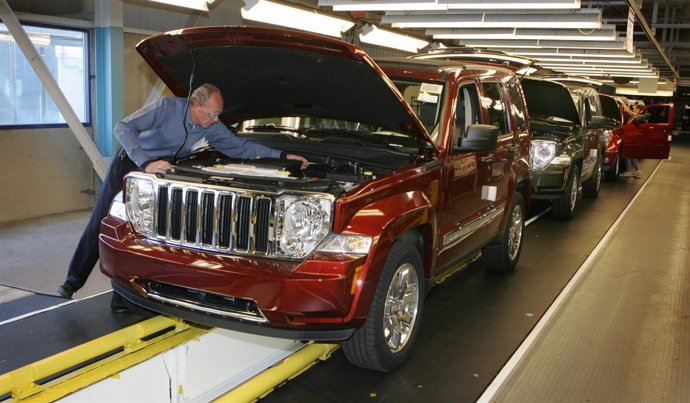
(502, 255)
(385, 340)
(614, 169)
(565, 206)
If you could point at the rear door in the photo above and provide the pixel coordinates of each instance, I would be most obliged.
(648, 135)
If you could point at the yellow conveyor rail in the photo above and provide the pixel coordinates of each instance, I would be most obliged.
(130, 345)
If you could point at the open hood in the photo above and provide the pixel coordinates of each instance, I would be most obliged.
(268, 72)
(546, 99)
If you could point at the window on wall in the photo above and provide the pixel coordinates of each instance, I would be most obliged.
(23, 98)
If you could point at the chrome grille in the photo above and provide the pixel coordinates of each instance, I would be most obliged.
(214, 219)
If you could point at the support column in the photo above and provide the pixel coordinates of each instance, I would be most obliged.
(109, 41)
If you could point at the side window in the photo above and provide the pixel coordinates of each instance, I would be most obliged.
(467, 111)
(517, 108)
(494, 103)
(656, 114)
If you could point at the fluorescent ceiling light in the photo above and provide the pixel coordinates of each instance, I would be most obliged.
(582, 19)
(442, 5)
(596, 65)
(593, 53)
(373, 35)
(608, 73)
(572, 59)
(531, 44)
(635, 91)
(269, 12)
(511, 4)
(383, 5)
(607, 33)
(201, 5)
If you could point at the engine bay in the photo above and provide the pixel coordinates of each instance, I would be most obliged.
(335, 175)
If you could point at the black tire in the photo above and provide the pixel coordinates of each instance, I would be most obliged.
(502, 254)
(591, 187)
(614, 169)
(375, 345)
(564, 208)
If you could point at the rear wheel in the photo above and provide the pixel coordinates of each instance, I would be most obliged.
(592, 186)
(502, 255)
(386, 338)
(565, 206)
(614, 169)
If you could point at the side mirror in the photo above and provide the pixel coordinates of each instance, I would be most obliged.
(640, 119)
(601, 122)
(479, 138)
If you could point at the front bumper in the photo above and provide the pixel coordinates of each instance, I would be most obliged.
(549, 183)
(314, 299)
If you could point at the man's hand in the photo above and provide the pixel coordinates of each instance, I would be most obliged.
(305, 163)
(159, 167)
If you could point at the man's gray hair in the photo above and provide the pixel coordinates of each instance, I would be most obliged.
(202, 94)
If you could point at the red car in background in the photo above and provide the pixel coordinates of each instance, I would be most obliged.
(647, 135)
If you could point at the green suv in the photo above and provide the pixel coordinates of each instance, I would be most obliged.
(567, 143)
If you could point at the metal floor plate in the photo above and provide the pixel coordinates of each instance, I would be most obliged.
(623, 333)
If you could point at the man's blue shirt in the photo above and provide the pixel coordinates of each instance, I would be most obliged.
(155, 131)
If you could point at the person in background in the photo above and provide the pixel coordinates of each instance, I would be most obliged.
(632, 168)
(149, 138)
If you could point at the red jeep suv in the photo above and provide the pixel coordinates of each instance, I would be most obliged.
(417, 168)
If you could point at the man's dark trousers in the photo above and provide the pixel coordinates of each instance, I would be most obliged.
(86, 254)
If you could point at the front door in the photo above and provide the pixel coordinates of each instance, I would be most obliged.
(648, 135)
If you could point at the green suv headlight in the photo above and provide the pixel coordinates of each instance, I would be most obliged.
(139, 202)
(542, 153)
(303, 222)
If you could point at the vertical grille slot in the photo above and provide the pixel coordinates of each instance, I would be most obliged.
(162, 215)
(243, 222)
(191, 211)
(208, 213)
(261, 234)
(225, 221)
(176, 215)
(215, 219)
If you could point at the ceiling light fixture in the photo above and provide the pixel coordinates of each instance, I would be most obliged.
(374, 35)
(606, 33)
(274, 13)
(201, 5)
(596, 66)
(582, 19)
(589, 53)
(531, 44)
(442, 5)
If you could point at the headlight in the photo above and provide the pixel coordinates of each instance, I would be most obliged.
(347, 243)
(303, 222)
(541, 153)
(607, 136)
(139, 202)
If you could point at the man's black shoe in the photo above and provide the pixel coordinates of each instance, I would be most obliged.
(117, 304)
(65, 290)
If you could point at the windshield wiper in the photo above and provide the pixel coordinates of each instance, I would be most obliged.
(365, 138)
(273, 128)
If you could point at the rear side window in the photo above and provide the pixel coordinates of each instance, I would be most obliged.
(495, 104)
(517, 107)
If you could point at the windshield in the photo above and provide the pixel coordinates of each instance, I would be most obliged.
(326, 130)
(425, 99)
